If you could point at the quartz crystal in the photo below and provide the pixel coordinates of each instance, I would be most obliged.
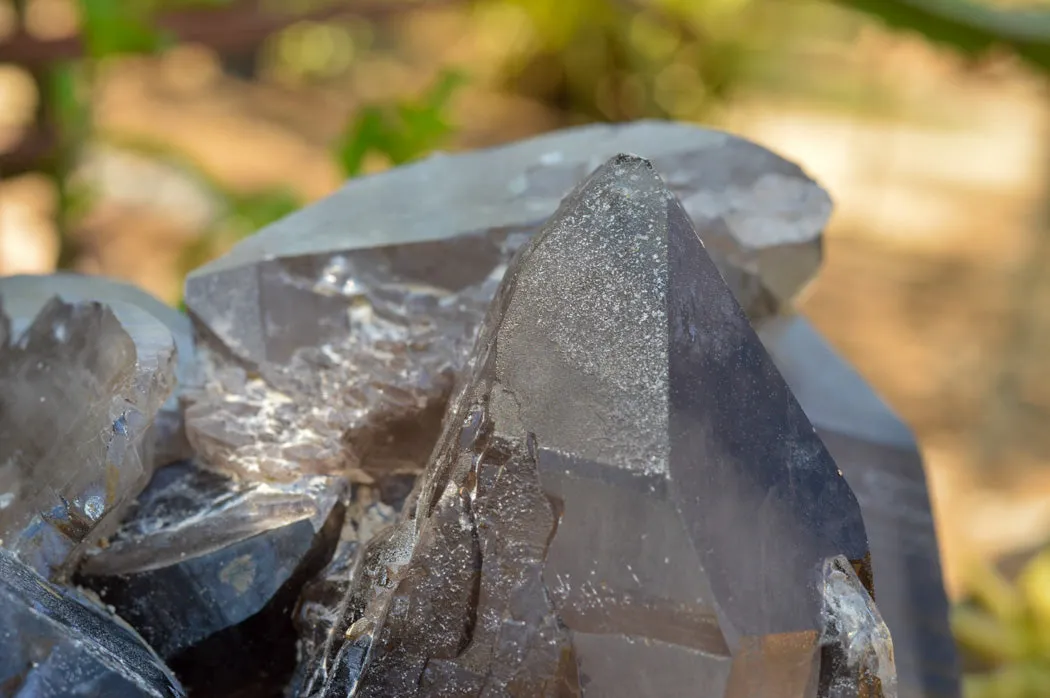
(79, 388)
(488, 424)
(880, 460)
(346, 322)
(209, 570)
(25, 295)
(318, 611)
(626, 499)
(56, 643)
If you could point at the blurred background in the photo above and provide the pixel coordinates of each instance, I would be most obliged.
(139, 138)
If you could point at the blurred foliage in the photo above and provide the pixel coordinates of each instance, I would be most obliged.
(401, 132)
(1003, 630)
(616, 61)
(971, 27)
(68, 109)
(237, 214)
(590, 60)
(112, 27)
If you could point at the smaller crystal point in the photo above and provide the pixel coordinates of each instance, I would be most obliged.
(208, 570)
(26, 295)
(57, 643)
(79, 389)
(858, 650)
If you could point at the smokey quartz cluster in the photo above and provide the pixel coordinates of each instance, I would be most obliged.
(530, 421)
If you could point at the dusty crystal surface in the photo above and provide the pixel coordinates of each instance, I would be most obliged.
(626, 498)
(57, 643)
(334, 327)
(209, 569)
(880, 459)
(80, 385)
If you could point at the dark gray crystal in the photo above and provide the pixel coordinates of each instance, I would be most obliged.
(626, 499)
(318, 612)
(349, 318)
(209, 571)
(881, 461)
(56, 643)
(79, 389)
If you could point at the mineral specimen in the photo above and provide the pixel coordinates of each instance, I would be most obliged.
(79, 388)
(882, 464)
(626, 500)
(319, 604)
(58, 644)
(346, 321)
(25, 295)
(209, 570)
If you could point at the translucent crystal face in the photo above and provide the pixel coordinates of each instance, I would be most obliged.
(204, 565)
(626, 499)
(79, 389)
(855, 636)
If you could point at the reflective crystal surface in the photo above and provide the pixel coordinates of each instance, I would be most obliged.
(80, 385)
(57, 643)
(25, 295)
(322, 598)
(340, 324)
(880, 459)
(626, 500)
(209, 571)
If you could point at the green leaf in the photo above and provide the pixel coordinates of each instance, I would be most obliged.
(364, 135)
(970, 27)
(65, 94)
(114, 27)
(401, 132)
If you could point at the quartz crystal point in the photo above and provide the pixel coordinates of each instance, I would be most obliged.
(627, 500)
(59, 644)
(879, 458)
(209, 570)
(25, 295)
(319, 604)
(79, 388)
(348, 320)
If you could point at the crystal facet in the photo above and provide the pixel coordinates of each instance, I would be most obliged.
(626, 498)
(318, 611)
(881, 461)
(56, 643)
(79, 388)
(351, 317)
(25, 295)
(209, 570)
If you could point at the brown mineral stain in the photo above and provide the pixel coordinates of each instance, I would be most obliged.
(112, 483)
(239, 573)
